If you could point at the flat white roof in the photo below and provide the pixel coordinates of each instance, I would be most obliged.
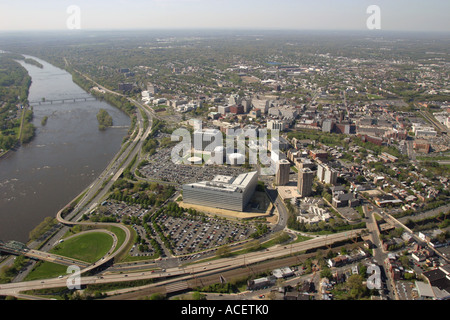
(223, 179)
(226, 183)
(424, 289)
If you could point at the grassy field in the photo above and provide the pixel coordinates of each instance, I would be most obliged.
(88, 247)
(45, 270)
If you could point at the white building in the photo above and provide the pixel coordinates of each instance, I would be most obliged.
(326, 174)
(207, 140)
(224, 192)
(276, 125)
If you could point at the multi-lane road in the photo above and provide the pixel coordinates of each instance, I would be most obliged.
(180, 273)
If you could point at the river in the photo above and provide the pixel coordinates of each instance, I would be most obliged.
(65, 156)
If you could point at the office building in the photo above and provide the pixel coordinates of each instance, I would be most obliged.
(327, 125)
(237, 109)
(223, 192)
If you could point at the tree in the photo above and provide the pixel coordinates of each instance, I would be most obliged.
(157, 296)
(326, 273)
(198, 296)
(104, 119)
(223, 251)
(253, 245)
(356, 288)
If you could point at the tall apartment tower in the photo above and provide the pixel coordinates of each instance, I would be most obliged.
(326, 174)
(305, 181)
(282, 173)
(331, 176)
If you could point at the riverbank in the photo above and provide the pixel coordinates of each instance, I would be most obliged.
(63, 159)
(16, 114)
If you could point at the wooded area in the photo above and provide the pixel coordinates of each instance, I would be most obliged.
(14, 85)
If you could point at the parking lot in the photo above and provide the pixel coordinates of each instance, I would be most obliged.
(191, 235)
(121, 209)
(161, 168)
(405, 290)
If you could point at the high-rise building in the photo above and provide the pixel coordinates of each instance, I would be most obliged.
(321, 168)
(326, 174)
(331, 176)
(282, 172)
(305, 181)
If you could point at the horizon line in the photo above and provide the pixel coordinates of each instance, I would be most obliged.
(221, 29)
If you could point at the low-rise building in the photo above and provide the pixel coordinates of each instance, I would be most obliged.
(261, 283)
(341, 199)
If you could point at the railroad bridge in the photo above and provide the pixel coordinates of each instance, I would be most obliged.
(13, 247)
(61, 101)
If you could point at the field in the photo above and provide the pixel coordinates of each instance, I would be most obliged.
(88, 247)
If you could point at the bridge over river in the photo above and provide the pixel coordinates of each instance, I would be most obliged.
(61, 101)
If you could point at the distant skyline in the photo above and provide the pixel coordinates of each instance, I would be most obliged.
(396, 15)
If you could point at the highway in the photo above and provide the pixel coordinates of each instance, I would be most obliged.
(439, 126)
(181, 273)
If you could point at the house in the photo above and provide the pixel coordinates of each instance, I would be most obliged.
(396, 273)
(422, 254)
(418, 256)
(407, 237)
(394, 242)
(394, 267)
(296, 296)
(306, 287)
(368, 244)
(338, 261)
(282, 273)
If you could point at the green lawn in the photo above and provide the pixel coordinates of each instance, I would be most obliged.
(89, 247)
(45, 270)
(120, 234)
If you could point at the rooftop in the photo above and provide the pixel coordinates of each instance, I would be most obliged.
(226, 183)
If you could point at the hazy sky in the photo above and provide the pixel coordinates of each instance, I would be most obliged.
(412, 15)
